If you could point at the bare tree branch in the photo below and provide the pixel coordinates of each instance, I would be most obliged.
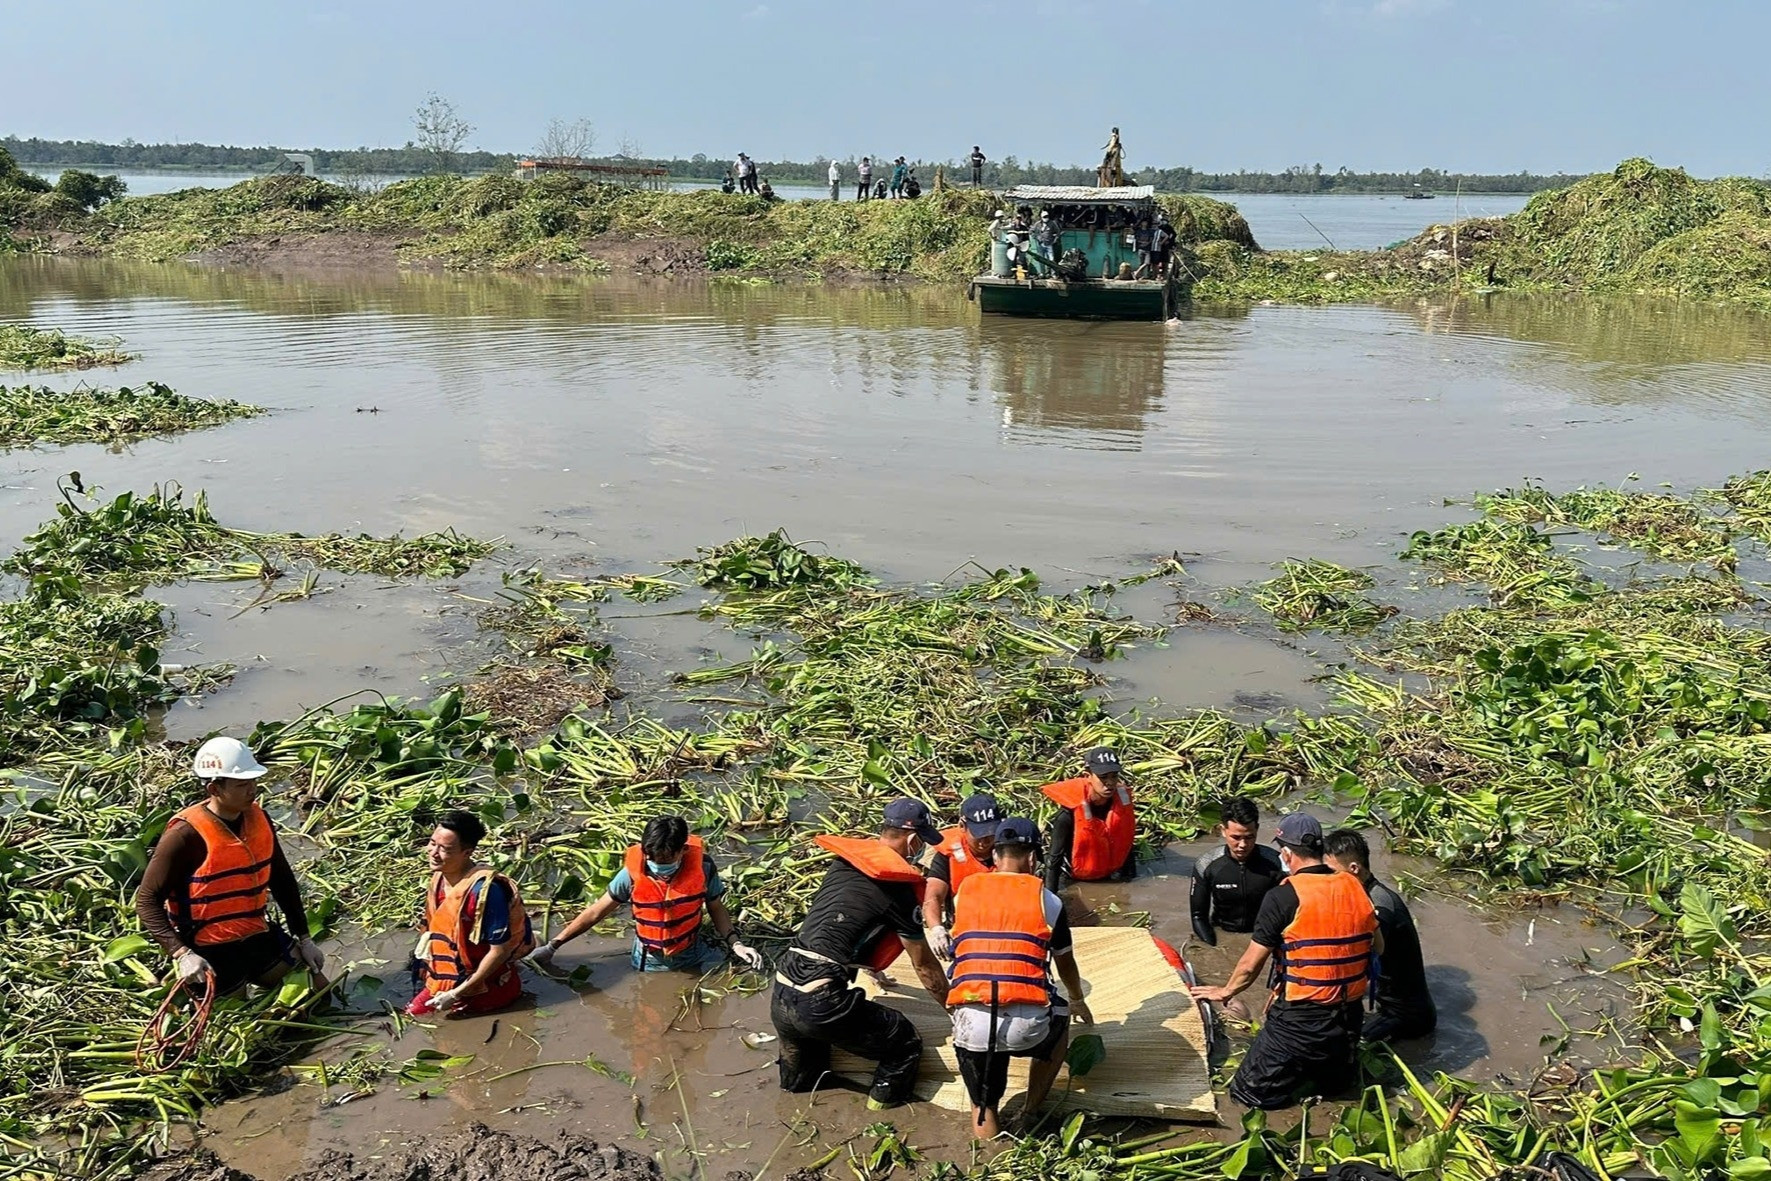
(441, 131)
(573, 139)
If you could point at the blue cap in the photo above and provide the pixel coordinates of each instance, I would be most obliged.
(912, 815)
(1300, 830)
(980, 814)
(1017, 830)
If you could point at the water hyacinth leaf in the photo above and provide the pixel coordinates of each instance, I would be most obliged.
(123, 948)
(1086, 1052)
(1072, 1131)
(1703, 922)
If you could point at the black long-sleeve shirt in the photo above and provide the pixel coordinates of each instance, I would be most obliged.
(1226, 893)
(178, 855)
(1401, 974)
(1058, 839)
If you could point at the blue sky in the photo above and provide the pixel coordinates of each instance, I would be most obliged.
(1481, 85)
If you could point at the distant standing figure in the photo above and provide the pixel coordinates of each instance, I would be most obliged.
(746, 174)
(865, 186)
(1162, 244)
(899, 172)
(1112, 163)
(835, 182)
(977, 166)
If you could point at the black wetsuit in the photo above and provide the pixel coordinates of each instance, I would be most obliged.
(1401, 1005)
(1226, 893)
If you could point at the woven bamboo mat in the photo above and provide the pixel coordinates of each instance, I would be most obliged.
(1156, 1042)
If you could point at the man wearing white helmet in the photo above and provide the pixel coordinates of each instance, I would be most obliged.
(206, 892)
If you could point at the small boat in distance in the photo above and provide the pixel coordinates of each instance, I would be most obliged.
(1093, 272)
(1420, 194)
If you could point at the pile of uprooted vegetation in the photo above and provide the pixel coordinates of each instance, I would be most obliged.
(562, 222)
(1638, 229)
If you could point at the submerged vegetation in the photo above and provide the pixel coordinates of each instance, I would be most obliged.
(87, 414)
(1577, 738)
(25, 347)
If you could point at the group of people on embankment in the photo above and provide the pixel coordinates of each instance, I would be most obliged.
(980, 922)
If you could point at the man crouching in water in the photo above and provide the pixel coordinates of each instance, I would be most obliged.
(864, 913)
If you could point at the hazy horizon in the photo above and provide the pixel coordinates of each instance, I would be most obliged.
(1494, 87)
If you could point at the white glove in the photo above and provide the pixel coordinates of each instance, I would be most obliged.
(747, 955)
(309, 953)
(192, 968)
(421, 949)
(444, 1001)
(940, 942)
(541, 959)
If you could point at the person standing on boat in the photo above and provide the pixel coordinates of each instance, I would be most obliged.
(1140, 237)
(865, 187)
(1162, 244)
(977, 166)
(475, 929)
(216, 868)
(1402, 1007)
(670, 881)
(1322, 930)
(835, 181)
(866, 911)
(1049, 239)
(1093, 837)
(1112, 162)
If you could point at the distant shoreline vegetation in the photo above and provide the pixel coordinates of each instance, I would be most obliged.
(196, 158)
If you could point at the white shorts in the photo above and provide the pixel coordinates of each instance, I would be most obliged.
(1019, 1028)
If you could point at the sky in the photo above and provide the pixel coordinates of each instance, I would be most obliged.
(1469, 85)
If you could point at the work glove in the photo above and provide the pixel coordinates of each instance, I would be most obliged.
(421, 949)
(309, 953)
(541, 959)
(449, 999)
(747, 955)
(940, 942)
(192, 968)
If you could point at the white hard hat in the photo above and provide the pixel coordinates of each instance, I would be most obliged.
(225, 758)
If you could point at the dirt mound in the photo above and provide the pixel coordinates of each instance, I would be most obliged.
(476, 1153)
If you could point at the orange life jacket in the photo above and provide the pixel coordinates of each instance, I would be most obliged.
(458, 942)
(961, 863)
(667, 911)
(1325, 953)
(1001, 942)
(882, 865)
(225, 900)
(1100, 846)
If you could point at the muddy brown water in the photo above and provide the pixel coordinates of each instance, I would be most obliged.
(606, 425)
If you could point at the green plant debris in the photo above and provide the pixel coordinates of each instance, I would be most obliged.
(25, 347)
(1600, 745)
(1321, 595)
(1750, 498)
(139, 539)
(1660, 525)
(38, 414)
(1519, 563)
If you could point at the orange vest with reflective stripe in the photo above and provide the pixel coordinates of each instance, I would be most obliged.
(458, 943)
(1325, 953)
(1001, 942)
(961, 863)
(225, 900)
(1100, 846)
(882, 865)
(667, 911)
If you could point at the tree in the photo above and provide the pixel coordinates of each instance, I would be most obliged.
(561, 138)
(89, 190)
(441, 132)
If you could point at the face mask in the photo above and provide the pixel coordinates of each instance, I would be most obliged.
(661, 871)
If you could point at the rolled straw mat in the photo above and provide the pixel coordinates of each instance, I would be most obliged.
(1156, 1043)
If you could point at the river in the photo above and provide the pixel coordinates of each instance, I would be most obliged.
(601, 425)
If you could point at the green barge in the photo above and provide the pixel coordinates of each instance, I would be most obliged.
(1074, 252)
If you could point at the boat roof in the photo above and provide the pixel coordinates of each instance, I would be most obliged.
(1082, 194)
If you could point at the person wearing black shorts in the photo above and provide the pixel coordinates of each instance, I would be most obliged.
(1008, 932)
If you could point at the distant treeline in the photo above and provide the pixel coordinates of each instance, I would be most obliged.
(411, 160)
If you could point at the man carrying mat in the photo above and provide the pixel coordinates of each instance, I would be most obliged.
(865, 912)
(1008, 931)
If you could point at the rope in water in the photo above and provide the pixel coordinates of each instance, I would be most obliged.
(164, 1043)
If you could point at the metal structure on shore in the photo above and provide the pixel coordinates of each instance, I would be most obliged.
(631, 173)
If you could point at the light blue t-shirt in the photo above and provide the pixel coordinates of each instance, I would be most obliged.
(699, 956)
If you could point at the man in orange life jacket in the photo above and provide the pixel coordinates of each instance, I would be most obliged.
(865, 912)
(1008, 931)
(669, 879)
(207, 888)
(1092, 838)
(475, 929)
(1324, 932)
(965, 849)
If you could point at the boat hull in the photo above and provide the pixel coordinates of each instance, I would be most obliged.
(1091, 299)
